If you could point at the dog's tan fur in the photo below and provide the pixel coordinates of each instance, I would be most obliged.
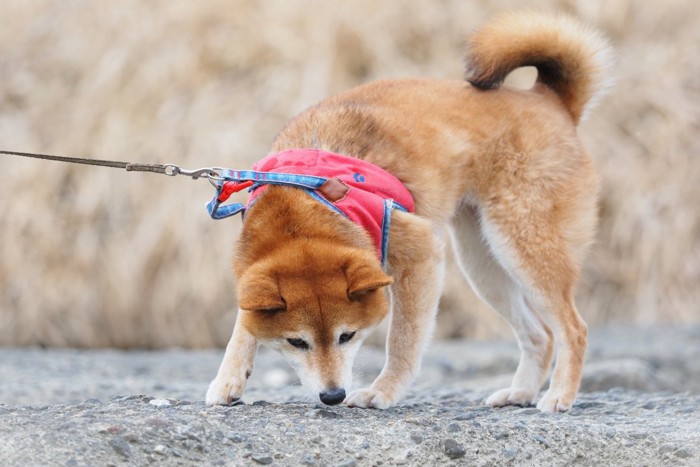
(500, 170)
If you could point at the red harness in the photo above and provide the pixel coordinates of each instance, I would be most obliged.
(363, 192)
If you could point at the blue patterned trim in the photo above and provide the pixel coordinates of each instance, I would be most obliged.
(217, 211)
(274, 178)
(389, 205)
(326, 202)
(399, 207)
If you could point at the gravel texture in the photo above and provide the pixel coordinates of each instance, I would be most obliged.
(640, 405)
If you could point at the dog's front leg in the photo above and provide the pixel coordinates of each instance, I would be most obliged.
(416, 258)
(235, 368)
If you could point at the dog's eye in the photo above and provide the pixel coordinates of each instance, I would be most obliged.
(345, 337)
(298, 343)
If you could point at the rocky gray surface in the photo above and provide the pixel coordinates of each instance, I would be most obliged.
(640, 405)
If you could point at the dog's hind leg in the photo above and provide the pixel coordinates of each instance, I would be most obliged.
(235, 367)
(539, 248)
(493, 284)
(416, 258)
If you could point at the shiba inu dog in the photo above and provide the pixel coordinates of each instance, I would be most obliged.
(500, 171)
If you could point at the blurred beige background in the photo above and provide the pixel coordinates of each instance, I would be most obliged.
(100, 257)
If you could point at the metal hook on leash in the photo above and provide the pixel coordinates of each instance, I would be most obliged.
(213, 174)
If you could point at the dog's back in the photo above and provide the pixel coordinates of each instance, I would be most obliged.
(437, 136)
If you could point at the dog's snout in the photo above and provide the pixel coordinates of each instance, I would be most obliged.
(332, 396)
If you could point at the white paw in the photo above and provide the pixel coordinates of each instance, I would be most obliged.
(224, 391)
(555, 402)
(511, 396)
(369, 398)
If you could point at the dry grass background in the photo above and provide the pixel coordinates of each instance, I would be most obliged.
(99, 257)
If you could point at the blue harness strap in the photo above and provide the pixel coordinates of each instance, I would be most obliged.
(218, 211)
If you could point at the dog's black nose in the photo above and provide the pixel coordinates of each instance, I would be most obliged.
(332, 396)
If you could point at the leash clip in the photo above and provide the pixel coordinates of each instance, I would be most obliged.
(213, 174)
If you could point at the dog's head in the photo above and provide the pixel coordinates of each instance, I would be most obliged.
(315, 302)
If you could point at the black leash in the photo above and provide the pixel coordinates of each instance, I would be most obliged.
(171, 170)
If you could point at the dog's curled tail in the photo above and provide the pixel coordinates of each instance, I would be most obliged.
(571, 58)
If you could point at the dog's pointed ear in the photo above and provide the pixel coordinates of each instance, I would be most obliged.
(364, 274)
(258, 290)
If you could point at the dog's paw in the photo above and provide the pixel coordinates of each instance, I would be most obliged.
(511, 396)
(223, 391)
(553, 401)
(369, 398)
